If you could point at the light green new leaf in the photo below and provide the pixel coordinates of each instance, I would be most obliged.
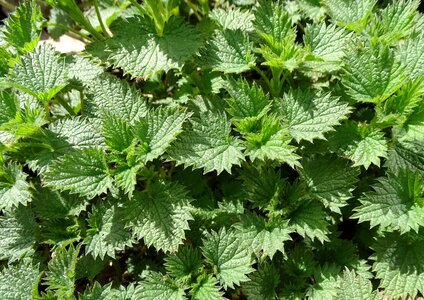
(126, 177)
(81, 171)
(60, 276)
(399, 264)
(208, 145)
(263, 238)
(309, 113)
(350, 13)
(411, 54)
(373, 73)
(233, 19)
(362, 143)
(140, 51)
(22, 29)
(206, 287)
(160, 215)
(116, 97)
(14, 189)
(229, 256)
(157, 130)
(41, 73)
(229, 51)
(158, 287)
(330, 179)
(107, 232)
(117, 133)
(354, 286)
(263, 283)
(19, 281)
(18, 232)
(397, 203)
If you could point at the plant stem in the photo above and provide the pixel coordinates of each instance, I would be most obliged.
(65, 105)
(138, 6)
(102, 25)
(70, 29)
(263, 76)
(7, 5)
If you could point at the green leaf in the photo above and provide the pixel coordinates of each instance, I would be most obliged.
(362, 143)
(411, 54)
(60, 276)
(14, 189)
(82, 171)
(18, 232)
(22, 29)
(413, 128)
(406, 155)
(332, 184)
(264, 238)
(140, 51)
(273, 23)
(354, 286)
(208, 144)
(41, 73)
(84, 70)
(263, 283)
(233, 19)
(350, 13)
(184, 264)
(117, 133)
(19, 281)
(156, 286)
(399, 264)
(326, 283)
(9, 107)
(309, 220)
(160, 215)
(116, 97)
(157, 130)
(309, 113)
(107, 232)
(229, 51)
(126, 178)
(387, 76)
(230, 258)
(397, 202)
(206, 287)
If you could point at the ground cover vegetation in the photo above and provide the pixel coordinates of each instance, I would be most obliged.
(213, 150)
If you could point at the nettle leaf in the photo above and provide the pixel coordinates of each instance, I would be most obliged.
(263, 283)
(230, 258)
(9, 107)
(160, 215)
(82, 171)
(18, 231)
(184, 264)
(107, 232)
(310, 220)
(406, 155)
(329, 179)
(413, 128)
(207, 287)
(64, 136)
(22, 30)
(326, 283)
(41, 73)
(84, 70)
(264, 238)
(361, 143)
(116, 97)
(117, 132)
(157, 130)
(208, 145)
(20, 280)
(387, 75)
(411, 54)
(156, 286)
(397, 202)
(60, 276)
(309, 113)
(229, 51)
(140, 51)
(350, 13)
(233, 19)
(399, 264)
(14, 189)
(354, 286)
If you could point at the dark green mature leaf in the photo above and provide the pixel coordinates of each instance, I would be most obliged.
(207, 288)
(354, 286)
(350, 13)
(233, 19)
(22, 29)
(263, 283)
(140, 51)
(412, 56)
(9, 106)
(157, 286)
(184, 264)
(226, 252)
(14, 189)
(19, 281)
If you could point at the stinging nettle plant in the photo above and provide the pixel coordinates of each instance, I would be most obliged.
(232, 149)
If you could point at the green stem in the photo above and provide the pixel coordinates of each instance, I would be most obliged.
(7, 5)
(65, 105)
(263, 76)
(195, 9)
(70, 29)
(102, 25)
(138, 6)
